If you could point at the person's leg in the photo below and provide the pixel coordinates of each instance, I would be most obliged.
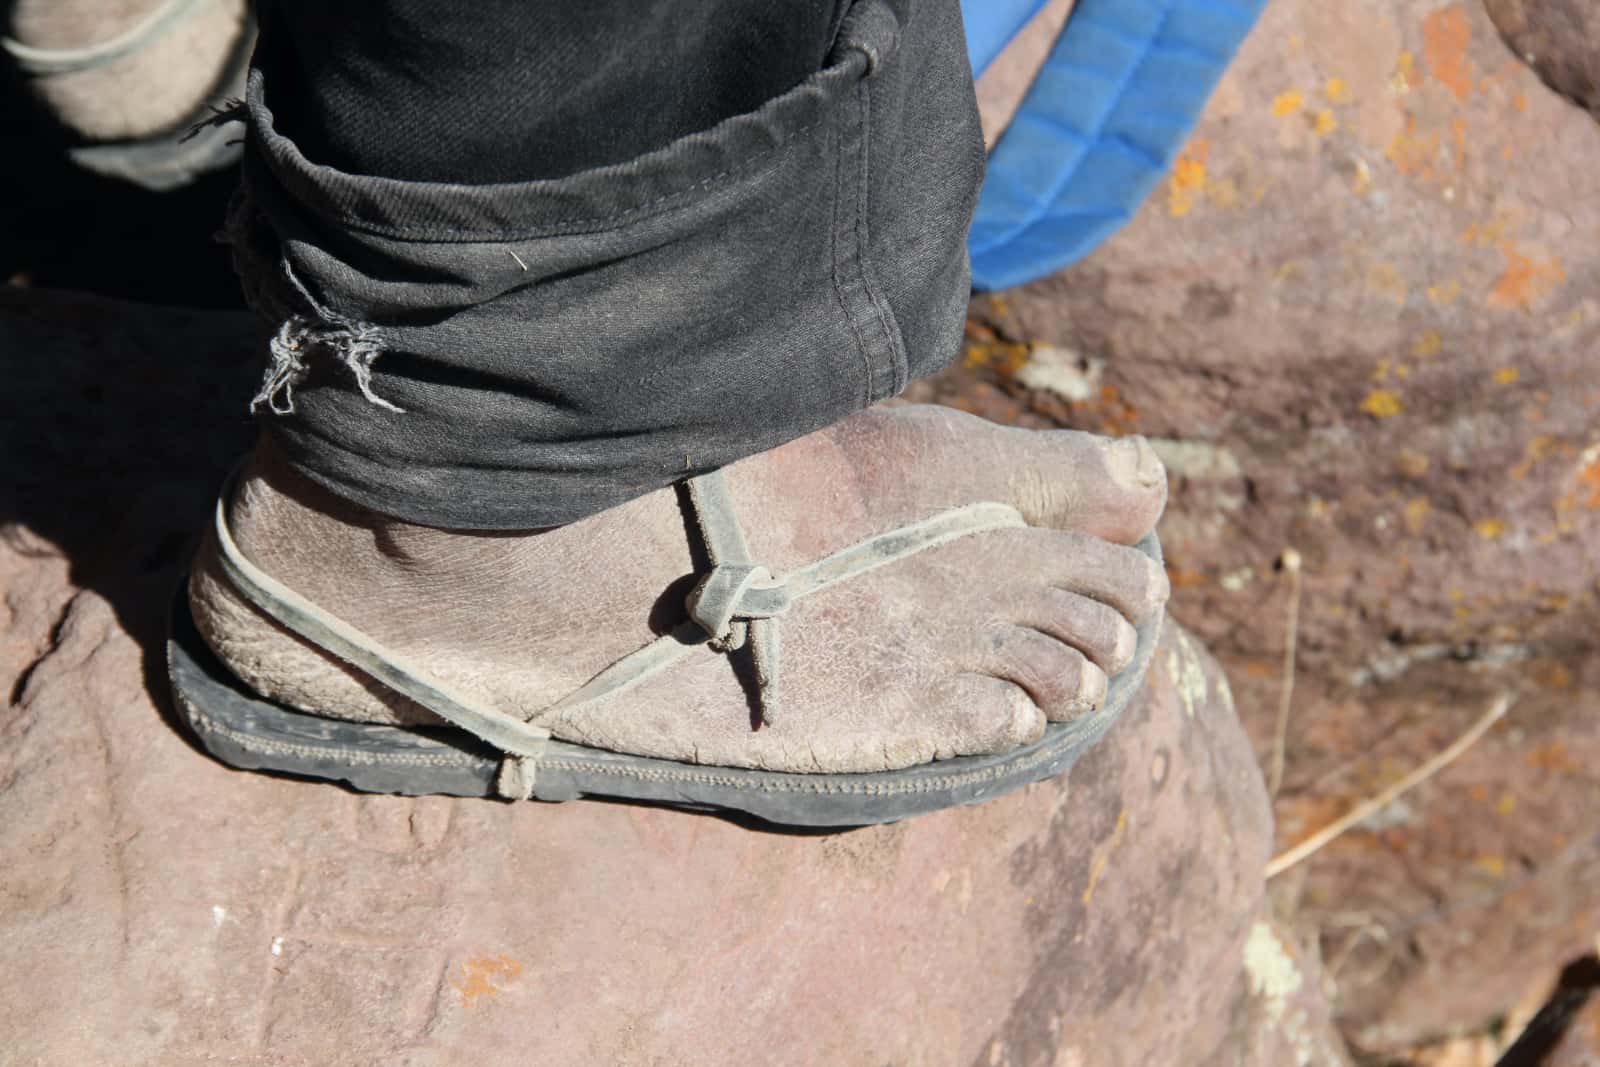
(547, 357)
(561, 345)
(513, 91)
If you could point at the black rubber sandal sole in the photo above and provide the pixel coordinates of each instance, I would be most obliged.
(247, 731)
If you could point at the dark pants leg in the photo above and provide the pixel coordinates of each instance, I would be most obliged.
(525, 264)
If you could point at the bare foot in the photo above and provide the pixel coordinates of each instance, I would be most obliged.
(963, 649)
(154, 87)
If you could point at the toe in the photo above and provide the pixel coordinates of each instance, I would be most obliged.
(1059, 678)
(991, 714)
(1066, 480)
(1123, 578)
(1097, 630)
(1059, 479)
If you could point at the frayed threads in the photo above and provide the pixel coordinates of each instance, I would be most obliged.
(231, 110)
(356, 346)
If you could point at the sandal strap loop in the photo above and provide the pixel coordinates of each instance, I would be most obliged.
(736, 592)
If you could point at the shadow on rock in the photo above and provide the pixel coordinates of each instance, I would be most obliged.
(67, 228)
(117, 425)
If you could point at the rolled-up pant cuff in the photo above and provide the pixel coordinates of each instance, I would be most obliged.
(511, 356)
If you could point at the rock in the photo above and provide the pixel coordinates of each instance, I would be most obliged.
(1579, 1046)
(1285, 1018)
(160, 908)
(1559, 39)
(1360, 320)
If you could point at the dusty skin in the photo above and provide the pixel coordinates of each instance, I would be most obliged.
(963, 649)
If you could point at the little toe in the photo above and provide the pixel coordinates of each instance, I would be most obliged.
(1097, 630)
(1059, 678)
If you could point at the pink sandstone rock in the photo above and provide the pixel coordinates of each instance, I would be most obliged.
(1360, 318)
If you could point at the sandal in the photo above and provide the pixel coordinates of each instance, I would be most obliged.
(485, 752)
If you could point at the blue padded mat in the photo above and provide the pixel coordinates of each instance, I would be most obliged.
(1098, 129)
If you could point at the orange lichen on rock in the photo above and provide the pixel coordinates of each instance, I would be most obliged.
(1405, 74)
(1188, 179)
(1186, 579)
(1003, 357)
(1589, 481)
(1524, 280)
(1382, 404)
(1535, 450)
(485, 976)
(1491, 864)
(1287, 103)
(1116, 415)
(1553, 756)
(1446, 33)
(1414, 154)
(1489, 529)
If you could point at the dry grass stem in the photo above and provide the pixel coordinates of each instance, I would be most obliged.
(1288, 858)
(1291, 637)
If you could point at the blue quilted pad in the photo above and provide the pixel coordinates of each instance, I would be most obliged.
(1098, 129)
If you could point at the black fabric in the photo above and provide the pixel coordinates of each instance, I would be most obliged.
(511, 90)
(557, 346)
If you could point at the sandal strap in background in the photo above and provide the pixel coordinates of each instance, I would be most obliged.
(31, 60)
(737, 602)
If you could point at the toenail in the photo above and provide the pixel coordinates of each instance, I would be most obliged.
(1160, 584)
(1125, 644)
(1091, 687)
(1135, 464)
(1165, 585)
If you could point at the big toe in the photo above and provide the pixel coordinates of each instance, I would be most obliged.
(1111, 488)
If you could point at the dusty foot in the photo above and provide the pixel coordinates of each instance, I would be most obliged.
(150, 89)
(962, 649)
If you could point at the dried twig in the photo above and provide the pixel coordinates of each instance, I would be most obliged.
(1288, 858)
(1291, 636)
